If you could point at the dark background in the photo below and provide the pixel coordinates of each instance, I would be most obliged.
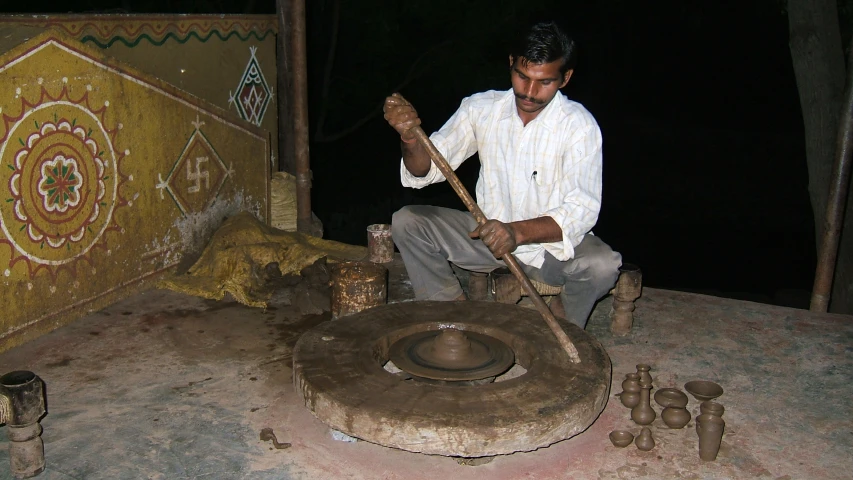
(705, 181)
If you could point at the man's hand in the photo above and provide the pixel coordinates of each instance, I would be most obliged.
(401, 115)
(498, 236)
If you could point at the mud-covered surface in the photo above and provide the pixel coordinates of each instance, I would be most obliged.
(357, 286)
(167, 386)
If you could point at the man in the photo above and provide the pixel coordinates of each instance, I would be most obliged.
(539, 184)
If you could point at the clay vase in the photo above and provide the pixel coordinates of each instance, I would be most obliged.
(643, 413)
(630, 395)
(710, 428)
(645, 441)
(713, 408)
(675, 417)
(643, 372)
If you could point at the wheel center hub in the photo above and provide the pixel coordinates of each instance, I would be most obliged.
(452, 355)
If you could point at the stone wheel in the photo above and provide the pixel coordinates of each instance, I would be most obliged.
(338, 370)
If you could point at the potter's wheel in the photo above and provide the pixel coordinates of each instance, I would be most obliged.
(338, 371)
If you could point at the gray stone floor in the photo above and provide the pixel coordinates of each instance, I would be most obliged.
(166, 386)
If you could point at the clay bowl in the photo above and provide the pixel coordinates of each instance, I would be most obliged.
(671, 397)
(621, 438)
(703, 390)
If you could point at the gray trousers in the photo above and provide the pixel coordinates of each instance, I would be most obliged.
(429, 237)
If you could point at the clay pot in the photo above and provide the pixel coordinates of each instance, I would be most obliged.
(671, 397)
(643, 372)
(675, 417)
(631, 383)
(630, 395)
(713, 408)
(621, 438)
(630, 399)
(643, 413)
(710, 429)
(645, 441)
(703, 390)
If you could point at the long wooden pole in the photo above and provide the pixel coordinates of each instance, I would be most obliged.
(838, 186)
(300, 117)
(509, 259)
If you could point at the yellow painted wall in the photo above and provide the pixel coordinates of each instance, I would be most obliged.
(208, 56)
(108, 176)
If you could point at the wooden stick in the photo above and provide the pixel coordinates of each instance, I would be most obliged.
(509, 259)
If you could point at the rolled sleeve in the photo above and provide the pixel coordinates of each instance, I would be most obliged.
(581, 187)
(456, 141)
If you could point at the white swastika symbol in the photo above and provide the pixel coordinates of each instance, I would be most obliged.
(197, 175)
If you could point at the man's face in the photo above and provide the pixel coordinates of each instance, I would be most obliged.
(535, 85)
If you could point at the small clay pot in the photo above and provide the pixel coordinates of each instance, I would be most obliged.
(671, 397)
(631, 382)
(630, 395)
(703, 390)
(621, 438)
(645, 441)
(629, 399)
(675, 417)
(713, 408)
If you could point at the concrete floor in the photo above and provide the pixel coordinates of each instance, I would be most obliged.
(166, 386)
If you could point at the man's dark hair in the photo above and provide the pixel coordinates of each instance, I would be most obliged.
(545, 43)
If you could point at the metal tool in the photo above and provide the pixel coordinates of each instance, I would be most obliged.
(509, 259)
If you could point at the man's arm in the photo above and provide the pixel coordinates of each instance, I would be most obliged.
(537, 230)
(503, 238)
(415, 157)
(456, 140)
(402, 116)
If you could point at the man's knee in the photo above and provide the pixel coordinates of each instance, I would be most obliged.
(411, 221)
(403, 219)
(599, 266)
(604, 268)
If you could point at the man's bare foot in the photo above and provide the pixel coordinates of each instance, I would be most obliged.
(460, 298)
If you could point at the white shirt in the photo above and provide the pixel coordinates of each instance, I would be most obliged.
(552, 166)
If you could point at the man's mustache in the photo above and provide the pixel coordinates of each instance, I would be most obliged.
(529, 99)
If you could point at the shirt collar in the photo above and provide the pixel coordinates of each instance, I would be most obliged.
(550, 117)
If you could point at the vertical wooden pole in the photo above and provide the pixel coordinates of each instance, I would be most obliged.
(838, 186)
(300, 119)
(284, 89)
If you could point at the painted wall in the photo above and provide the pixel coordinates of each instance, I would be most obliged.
(227, 60)
(108, 176)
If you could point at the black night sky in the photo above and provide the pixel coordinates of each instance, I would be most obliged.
(705, 180)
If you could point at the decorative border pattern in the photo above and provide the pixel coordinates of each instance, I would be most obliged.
(130, 30)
